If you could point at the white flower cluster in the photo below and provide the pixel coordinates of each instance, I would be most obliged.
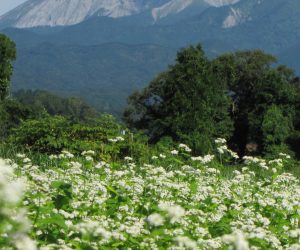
(283, 155)
(159, 205)
(174, 152)
(128, 158)
(14, 224)
(88, 152)
(262, 163)
(204, 160)
(117, 139)
(156, 219)
(237, 239)
(63, 155)
(222, 148)
(184, 147)
(175, 212)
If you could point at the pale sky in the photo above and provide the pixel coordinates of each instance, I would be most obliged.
(6, 5)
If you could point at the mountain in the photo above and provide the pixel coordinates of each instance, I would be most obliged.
(291, 57)
(34, 13)
(112, 50)
(103, 75)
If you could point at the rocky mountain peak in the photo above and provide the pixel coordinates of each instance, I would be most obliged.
(35, 13)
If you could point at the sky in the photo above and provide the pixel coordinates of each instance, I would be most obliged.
(6, 5)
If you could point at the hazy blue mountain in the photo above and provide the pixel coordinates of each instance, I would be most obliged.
(291, 57)
(272, 25)
(103, 75)
(105, 56)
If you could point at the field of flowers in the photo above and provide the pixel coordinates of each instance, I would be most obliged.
(174, 202)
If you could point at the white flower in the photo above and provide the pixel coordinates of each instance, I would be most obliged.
(184, 147)
(26, 160)
(39, 232)
(222, 149)
(155, 219)
(13, 191)
(162, 156)
(186, 243)
(51, 157)
(204, 160)
(119, 138)
(220, 141)
(174, 152)
(277, 162)
(89, 158)
(21, 155)
(25, 243)
(294, 233)
(236, 239)
(101, 164)
(233, 154)
(127, 158)
(175, 212)
(285, 155)
(89, 152)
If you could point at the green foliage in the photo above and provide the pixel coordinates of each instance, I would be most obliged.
(255, 87)
(12, 113)
(276, 129)
(63, 195)
(35, 105)
(40, 101)
(7, 55)
(53, 134)
(187, 103)
(191, 102)
(44, 135)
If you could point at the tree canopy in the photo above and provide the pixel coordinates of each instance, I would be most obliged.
(187, 103)
(7, 55)
(241, 96)
(260, 92)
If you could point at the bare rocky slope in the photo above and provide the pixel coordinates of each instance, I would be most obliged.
(34, 13)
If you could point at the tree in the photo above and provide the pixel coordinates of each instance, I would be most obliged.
(276, 129)
(7, 55)
(186, 103)
(255, 86)
(12, 113)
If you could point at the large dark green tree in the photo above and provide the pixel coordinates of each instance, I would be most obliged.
(187, 102)
(262, 95)
(7, 55)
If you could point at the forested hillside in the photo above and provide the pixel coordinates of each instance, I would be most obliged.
(112, 71)
(140, 47)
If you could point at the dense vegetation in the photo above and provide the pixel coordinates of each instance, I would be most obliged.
(76, 179)
(35, 105)
(171, 201)
(238, 96)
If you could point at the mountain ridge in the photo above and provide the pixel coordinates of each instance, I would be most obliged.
(35, 13)
(60, 58)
